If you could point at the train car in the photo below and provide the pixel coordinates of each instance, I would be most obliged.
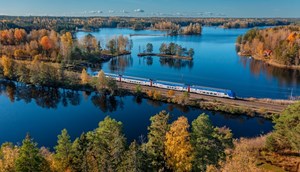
(170, 85)
(113, 76)
(212, 91)
(136, 80)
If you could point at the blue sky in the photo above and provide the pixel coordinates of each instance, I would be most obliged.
(196, 8)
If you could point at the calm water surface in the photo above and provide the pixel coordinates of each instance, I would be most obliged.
(45, 112)
(215, 63)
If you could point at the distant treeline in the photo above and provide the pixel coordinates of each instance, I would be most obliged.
(279, 44)
(72, 24)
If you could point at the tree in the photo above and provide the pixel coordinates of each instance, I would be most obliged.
(8, 67)
(66, 45)
(178, 152)
(23, 73)
(107, 144)
(149, 48)
(112, 46)
(8, 155)
(163, 48)
(191, 52)
(209, 143)
(155, 147)
(46, 43)
(286, 134)
(63, 150)
(29, 159)
(133, 159)
(102, 80)
(112, 85)
(84, 77)
(79, 157)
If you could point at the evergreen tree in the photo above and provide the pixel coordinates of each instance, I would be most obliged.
(155, 147)
(133, 159)
(79, 154)
(63, 150)
(29, 159)
(107, 144)
(286, 134)
(149, 48)
(209, 143)
(178, 147)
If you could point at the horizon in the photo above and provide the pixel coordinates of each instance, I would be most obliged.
(150, 8)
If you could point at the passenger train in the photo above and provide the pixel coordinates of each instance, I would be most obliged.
(172, 85)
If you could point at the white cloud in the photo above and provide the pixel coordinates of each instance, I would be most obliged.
(139, 10)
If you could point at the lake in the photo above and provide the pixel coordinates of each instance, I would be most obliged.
(45, 112)
(215, 64)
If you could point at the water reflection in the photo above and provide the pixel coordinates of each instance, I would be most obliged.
(44, 97)
(80, 112)
(119, 64)
(176, 63)
(284, 76)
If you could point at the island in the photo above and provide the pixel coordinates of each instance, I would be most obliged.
(171, 50)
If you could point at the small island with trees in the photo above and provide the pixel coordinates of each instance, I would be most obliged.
(171, 50)
(278, 46)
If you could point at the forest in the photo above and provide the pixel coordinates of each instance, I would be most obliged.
(73, 24)
(279, 45)
(169, 146)
(50, 46)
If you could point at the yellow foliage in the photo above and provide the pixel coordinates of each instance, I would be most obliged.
(7, 64)
(84, 77)
(178, 147)
(171, 93)
(157, 95)
(150, 93)
(9, 155)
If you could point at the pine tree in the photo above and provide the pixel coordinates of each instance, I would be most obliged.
(107, 144)
(79, 154)
(178, 147)
(202, 141)
(155, 147)
(286, 133)
(29, 159)
(209, 143)
(133, 159)
(63, 150)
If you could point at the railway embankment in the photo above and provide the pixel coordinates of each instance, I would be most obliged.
(267, 108)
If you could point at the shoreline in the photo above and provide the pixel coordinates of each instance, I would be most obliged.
(165, 56)
(270, 61)
(252, 107)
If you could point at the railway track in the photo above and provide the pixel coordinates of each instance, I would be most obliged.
(253, 104)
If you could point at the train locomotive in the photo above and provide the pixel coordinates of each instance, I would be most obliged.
(217, 92)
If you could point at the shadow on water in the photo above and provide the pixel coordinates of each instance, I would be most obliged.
(49, 110)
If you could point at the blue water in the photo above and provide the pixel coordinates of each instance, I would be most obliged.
(44, 113)
(215, 64)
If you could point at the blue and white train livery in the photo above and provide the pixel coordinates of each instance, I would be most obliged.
(217, 92)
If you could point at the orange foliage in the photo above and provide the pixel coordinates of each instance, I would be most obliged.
(19, 34)
(46, 43)
(291, 38)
